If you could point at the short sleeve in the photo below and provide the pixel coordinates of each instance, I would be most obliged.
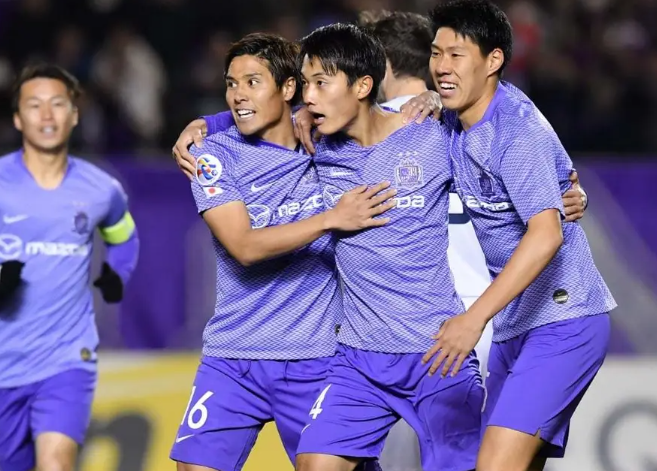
(529, 173)
(219, 122)
(118, 205)
(213, 185)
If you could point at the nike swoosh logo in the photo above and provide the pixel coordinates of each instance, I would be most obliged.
(255, 188)
(184, 437)
(13, 219)
(340, 174)
(304, 429)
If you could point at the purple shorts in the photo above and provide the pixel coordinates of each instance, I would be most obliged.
(232, 400)
(61, 403)
(536, 381)
(367, 392)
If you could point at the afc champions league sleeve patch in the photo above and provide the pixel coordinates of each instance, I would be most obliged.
(208, 173)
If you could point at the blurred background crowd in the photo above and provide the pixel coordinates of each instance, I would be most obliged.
(149, 66)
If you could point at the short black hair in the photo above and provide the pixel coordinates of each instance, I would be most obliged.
(406, 38)
(349, 49)
(49, 71)
(483, 22)
(280, 54)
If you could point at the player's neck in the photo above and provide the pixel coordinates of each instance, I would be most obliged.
(475, 112)
(404, 86)
(281, 134)
(373, 125)
(47, 168)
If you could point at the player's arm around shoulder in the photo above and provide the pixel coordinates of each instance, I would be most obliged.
(222, 206)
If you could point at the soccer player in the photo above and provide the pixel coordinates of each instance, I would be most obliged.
(548, 302)
(396, 283)
(50, 206)
(267, 347)
(406, 38)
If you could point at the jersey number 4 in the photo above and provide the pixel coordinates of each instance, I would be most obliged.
(317, 406)
(199, 408)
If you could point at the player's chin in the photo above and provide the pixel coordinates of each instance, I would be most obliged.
(49, 145)
(327, 127)
(451, 102)
(249, 128)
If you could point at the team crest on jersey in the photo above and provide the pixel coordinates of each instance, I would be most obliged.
(81, 223)
(409, 172)
(486, 184)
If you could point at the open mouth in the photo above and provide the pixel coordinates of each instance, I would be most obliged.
(446, 89)
(318, 118)
(48, 130)
(244, 115)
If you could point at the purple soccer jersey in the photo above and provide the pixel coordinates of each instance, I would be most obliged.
(396, 283)
(49, 326)
(281, 309)
(508, 168)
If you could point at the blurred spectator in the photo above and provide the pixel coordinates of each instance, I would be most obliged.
(208, 75)
(581, 61)
(129, 71)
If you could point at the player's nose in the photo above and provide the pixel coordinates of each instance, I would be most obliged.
(46, 113)
(442, 67)
(308, 96)
(240, 97)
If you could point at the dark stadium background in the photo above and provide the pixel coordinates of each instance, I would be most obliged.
(150, 66)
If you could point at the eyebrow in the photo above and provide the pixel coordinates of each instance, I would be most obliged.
(450, 48)
(255, 74)
(28, 98)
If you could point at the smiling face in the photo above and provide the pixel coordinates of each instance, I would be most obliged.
(256, 102)
(329, 97)
(46, 114)
(460, 72)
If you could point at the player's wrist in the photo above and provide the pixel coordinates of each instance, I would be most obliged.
(479, 315)
(328, 220)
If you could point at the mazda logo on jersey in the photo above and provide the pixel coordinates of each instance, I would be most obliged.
(472, 202)
(260, 215)
(11, 247)
(332, 195)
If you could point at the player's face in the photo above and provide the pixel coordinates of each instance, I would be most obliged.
(46, 115)
(460, 72)
(330, 99)
(254, 99)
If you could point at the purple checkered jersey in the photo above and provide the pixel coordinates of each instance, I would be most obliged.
(280, 309)
(49, 325)
(509, 167)
(395, 280)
